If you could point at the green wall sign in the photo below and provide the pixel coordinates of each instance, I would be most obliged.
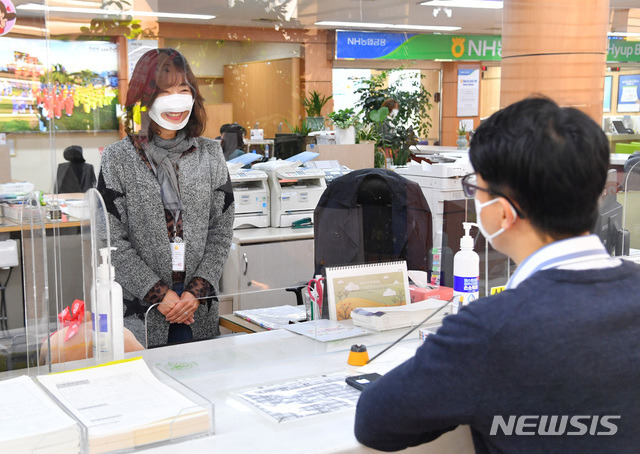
(407, 46)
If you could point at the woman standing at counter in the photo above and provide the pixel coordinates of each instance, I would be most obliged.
(170, 206)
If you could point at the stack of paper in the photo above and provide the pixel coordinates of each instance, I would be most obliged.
(123, 405)
(30, 421)
(274, 317)
(381, 319)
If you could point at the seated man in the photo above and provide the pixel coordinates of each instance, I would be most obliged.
(551, 364)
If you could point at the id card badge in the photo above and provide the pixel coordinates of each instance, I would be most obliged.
(177, 254)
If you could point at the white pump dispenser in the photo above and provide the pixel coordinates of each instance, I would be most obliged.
(108, 323)
(466, 271)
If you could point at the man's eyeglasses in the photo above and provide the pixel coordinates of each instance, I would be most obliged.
(470, 187)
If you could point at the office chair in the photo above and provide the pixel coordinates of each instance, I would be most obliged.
(371, 216)
(75, 175)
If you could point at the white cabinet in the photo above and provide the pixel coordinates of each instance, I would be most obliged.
(263, 262)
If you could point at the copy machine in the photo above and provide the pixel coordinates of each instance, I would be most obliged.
(251, 194)
(439, 181)
(295, 190)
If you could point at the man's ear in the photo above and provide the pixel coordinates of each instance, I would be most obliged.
(509, 215)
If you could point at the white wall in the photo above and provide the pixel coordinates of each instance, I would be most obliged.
(35, 162)
(208, 57)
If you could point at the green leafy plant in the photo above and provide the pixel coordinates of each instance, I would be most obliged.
(462, 130)
(344, 118)
(396, 146)
(414, 103)
(303, 129)
(314, 103)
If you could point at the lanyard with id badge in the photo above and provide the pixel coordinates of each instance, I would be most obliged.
(177, 247)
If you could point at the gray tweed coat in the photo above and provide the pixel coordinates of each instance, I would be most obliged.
(138, 230)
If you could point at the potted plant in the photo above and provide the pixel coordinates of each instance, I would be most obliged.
(345, 121)
(304, 131)
(313, 105)
(462, 141)
(414, 103)
(376, 118)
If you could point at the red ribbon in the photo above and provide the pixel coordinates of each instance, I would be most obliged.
(72, 318)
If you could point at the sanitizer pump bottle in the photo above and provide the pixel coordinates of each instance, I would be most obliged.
(466, 271)
(107, 317)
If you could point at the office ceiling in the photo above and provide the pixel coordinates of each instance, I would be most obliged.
(305, 13)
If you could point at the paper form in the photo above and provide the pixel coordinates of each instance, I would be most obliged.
(302, 397)
(121, 401)
(29, 418)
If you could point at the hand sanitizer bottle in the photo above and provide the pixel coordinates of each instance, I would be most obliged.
(466, 270)
(107, 314)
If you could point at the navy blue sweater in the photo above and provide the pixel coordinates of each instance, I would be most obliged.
(564, 343)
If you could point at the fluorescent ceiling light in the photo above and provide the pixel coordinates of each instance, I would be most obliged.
(484, 4)
(623, 34)
(110, 12)
(388, 26)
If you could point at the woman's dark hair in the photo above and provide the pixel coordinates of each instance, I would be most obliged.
(157, 70)
(551, 161)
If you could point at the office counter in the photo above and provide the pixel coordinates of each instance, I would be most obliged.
(222, 366)
(66, 249)
(621, 138)
(14, 227)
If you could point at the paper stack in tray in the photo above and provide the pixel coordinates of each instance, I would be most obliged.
(30, 421)
(124, 405)
(392, 317)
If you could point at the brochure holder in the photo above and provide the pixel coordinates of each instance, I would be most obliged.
(194, 420)
(49, 442)
(176, 429)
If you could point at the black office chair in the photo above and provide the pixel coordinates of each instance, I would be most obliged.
(75, 175)
(371, 216)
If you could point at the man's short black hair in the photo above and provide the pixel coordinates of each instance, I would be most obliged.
(551, 160)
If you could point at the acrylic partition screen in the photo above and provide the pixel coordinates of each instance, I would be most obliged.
(623, 219)
(37, 314)
(272, 67)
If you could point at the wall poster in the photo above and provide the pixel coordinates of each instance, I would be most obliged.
(65, 86)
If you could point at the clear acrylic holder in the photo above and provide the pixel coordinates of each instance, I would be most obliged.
(83, 434)
(202, 403)
(191, 422)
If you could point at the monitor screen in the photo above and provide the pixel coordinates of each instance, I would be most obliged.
(628, 93)
(66, 85)
(606, 102)
(287, 145)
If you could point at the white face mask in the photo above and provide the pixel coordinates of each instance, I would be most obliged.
(394, 112)
(479, 207)
(171, 103)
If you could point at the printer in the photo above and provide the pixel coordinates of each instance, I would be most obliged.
(439, 180)
(295, 190)
(251, 194)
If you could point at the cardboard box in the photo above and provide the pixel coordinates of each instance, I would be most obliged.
(357, 156)
(421, 294)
